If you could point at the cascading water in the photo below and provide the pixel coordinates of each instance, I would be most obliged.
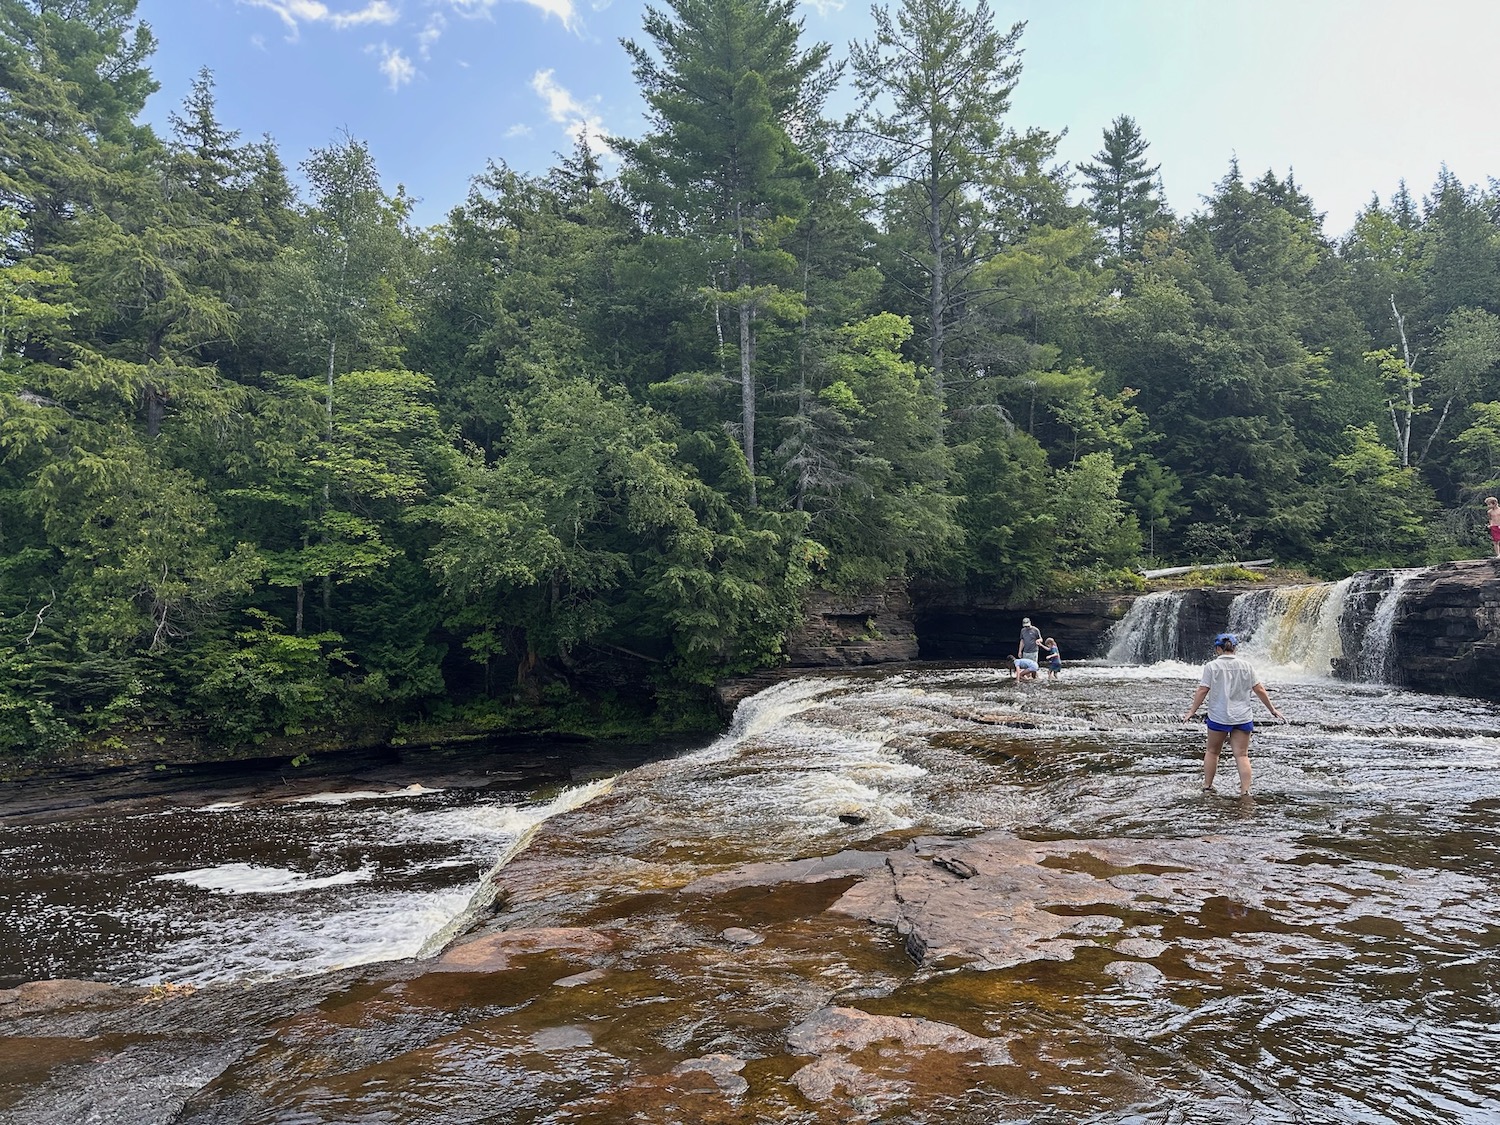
(1295, 628)
(1341, 629)
(1374, 663)
(1320, 629)
(1149, 631)
(930, 895)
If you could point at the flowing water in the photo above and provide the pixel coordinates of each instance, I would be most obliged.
(1149, 632)
(762, 929)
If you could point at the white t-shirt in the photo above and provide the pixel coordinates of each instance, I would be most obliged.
(1229, 681)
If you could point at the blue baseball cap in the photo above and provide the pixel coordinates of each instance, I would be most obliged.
(1226, 640)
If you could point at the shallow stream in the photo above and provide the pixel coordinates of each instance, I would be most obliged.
(725, 934)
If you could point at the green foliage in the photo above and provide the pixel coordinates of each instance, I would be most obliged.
(1093, 525)
(1376, 508)
(1479, 447)
(1220, 576)
(272, 464)
(870, 463)
(1004, 508)
(30, 726)
(1090, 580)
(1124, 192)
(266, 681)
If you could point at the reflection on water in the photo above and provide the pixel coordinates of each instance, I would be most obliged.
(754, 931)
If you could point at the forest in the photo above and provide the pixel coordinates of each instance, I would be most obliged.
(274, 460)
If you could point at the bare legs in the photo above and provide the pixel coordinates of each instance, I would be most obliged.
(1239, 743)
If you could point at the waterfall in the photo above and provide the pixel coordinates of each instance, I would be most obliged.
(1149, 631)
(1373, 663)
(1292, 627)
(1340, 629)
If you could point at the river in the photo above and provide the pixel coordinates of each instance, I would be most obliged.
(757, 929)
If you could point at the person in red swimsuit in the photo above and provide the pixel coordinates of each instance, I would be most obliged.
(1492, 506)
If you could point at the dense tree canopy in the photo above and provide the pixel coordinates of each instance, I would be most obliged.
(271, 461)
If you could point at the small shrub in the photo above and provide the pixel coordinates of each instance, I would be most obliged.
(1222, 575)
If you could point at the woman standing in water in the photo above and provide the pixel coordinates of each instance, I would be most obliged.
(1227, 684)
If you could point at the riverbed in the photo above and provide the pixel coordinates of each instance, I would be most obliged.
(908, 895)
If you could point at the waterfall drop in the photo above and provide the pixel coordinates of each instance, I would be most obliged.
(1149, 632)
(1293, 627)
(1341, 629)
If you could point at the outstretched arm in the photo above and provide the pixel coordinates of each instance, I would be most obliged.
(1260, 693)
(1198, 697)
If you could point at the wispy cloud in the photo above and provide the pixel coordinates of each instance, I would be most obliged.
(427, 38)
(825, 8)
(294, 13)
(397, 68)
(562, 9)
(518, 130)
(565, 10)
(578, 120)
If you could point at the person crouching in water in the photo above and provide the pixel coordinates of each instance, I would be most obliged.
(1025, 668)
(1227, 684)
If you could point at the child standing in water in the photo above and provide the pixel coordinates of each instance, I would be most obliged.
(1052, 658)
(1492, 506)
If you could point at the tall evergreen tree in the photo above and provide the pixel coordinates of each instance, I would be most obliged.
(935, 84)
(1124, 192)
(1460, 250)
(74, 78)
(728, 94)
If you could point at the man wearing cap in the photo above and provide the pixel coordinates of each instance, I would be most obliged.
(1031, 637)
(1227, 684)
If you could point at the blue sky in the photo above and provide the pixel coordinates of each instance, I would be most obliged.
(1352, 96)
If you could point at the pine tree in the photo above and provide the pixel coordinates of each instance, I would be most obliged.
(727, 97)
(1124, 192)
(935, 84)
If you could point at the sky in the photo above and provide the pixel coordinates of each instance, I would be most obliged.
(1350, 96)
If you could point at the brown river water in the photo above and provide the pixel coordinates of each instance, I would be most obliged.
(914, 895)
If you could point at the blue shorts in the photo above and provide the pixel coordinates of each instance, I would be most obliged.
(1213, 725)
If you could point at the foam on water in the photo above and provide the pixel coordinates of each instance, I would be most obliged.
(505, 824)
(416, 789)
(520, 826)
(318, 938)
(248, 879)
(372, 910)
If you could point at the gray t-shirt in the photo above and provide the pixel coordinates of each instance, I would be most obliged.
(1031, 636)
(1230, 682)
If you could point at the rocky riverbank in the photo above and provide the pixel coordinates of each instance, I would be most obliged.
(152, 1056)
(1445, 637)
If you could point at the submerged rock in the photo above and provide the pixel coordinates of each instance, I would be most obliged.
(47, 995)
(876, 1061)
(495, 952)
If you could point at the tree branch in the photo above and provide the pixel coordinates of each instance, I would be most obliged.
(41, 614)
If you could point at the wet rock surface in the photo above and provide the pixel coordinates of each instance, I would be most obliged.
(1125, 949)
(567, 1011)
(1446, 635)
